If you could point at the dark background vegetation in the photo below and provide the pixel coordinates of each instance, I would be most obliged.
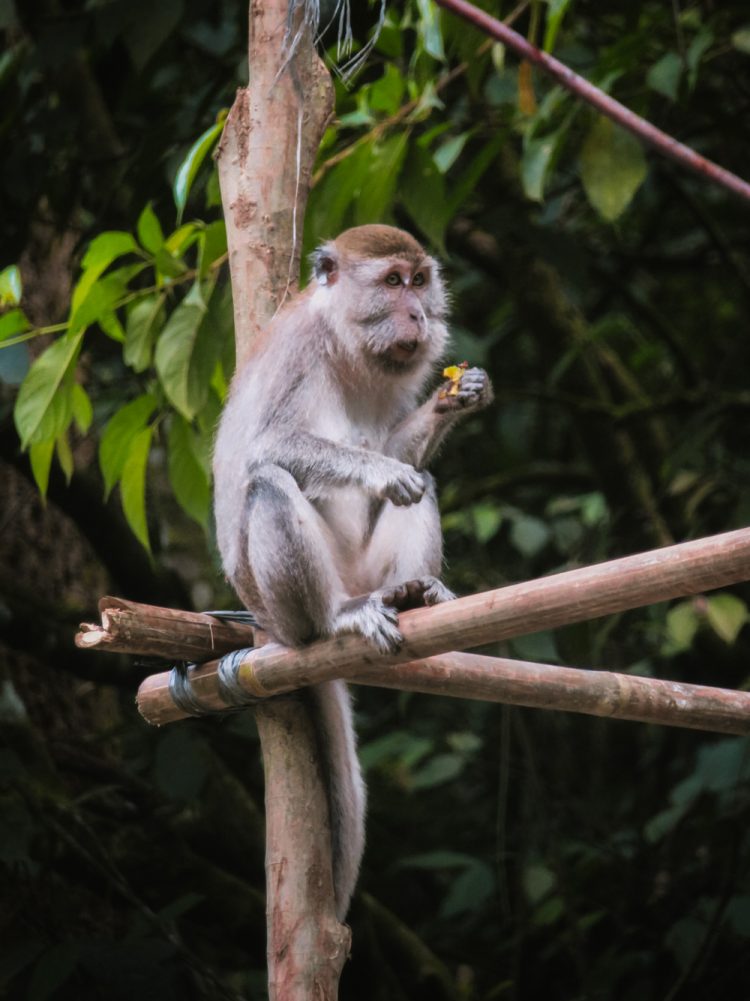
(512, 853)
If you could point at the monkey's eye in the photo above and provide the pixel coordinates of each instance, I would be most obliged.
(393, 279)
(418, 279)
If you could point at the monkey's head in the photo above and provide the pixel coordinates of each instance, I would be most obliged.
(383, 296)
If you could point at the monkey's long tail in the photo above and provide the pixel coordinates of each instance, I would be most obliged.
(346, 789)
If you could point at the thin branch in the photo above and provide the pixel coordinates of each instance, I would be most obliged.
(665, 144)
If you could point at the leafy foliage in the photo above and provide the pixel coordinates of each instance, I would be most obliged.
(608, 295)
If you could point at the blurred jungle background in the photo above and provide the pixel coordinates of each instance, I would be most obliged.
(512, 853)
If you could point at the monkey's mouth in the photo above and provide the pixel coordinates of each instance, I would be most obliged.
(404, 352)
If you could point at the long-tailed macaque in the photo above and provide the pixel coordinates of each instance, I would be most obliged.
(327, 522)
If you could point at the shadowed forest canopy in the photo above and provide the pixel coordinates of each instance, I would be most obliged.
(511, 853)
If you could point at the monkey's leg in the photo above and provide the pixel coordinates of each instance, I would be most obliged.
(405, 554)
(291, 569)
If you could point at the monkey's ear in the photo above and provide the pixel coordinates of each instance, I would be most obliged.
(325, 264)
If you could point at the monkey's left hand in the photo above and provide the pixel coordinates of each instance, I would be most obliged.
(474, 393)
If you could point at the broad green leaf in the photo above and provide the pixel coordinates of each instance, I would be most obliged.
(555, 15)
(118, 437)
(11, 287)
(133, 485)
(529, 535)
(190, 166)
(681, 626)
(186, 354)
(664, 77)
(696, 51)
(64, 456)
(102, 299)
(213, 245)
(44, 405)
(187, 474)
(144, 319)
(448, 152)
(101, 252)
(377, 193)
(462, 187)
(612, 167)
(12, 323)
(535, 163)
(422, 194)
(442, 768)
(169, 265)
(182, 238)
(331, 201)
(429, 29)
(40, 457)
(486, 519)
(83, 412)
(538, 882)
(741, 40)
(149, 230)
(469, 891)
(387, 92)
(727, 614)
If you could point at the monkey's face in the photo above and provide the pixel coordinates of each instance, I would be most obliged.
(385, 297)
(398, 311)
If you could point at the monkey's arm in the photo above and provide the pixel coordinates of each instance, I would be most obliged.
(318, 463)
(417, 438)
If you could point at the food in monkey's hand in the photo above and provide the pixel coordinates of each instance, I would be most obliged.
(454, 374)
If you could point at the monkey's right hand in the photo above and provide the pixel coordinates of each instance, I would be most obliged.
(402, 484)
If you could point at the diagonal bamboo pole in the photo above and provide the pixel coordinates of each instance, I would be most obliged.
(573, 596)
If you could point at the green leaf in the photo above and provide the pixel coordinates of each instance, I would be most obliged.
(213, 245)
(486, 519)
(187, 474)
(538, 882)
(612, 168)
(118, 437)
(149, 230)
(65, 456)
(11, 287)
(529, 535)
(377, 193)
(442, 768)
(422, 194)
(741, 40)
(133, 485)
(101, 252)
(535, 163)
(428, 28)
(83, 412)
(467, 182)
(144, 318)
(681, 626)
(44, 404)
(664, 77)
(696, 50)
(190, 166)
(387, 92)
(40, 456)
(555, 15)
(186, 354)
(13, 322)
(448, 152)
(469, 891)
(726, 614)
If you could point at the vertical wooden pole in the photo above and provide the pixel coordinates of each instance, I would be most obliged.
(265, 161)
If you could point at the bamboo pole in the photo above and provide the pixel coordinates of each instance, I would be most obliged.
(594, 693)
(150, 631)
(573, 596)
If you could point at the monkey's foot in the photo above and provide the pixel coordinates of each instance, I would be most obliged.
(416, 593)
(372, 617)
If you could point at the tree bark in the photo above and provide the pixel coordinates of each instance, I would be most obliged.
(265, 161)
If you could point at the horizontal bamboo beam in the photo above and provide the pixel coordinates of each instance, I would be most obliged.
(147, 630)
(573, 596)
(544, 686)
